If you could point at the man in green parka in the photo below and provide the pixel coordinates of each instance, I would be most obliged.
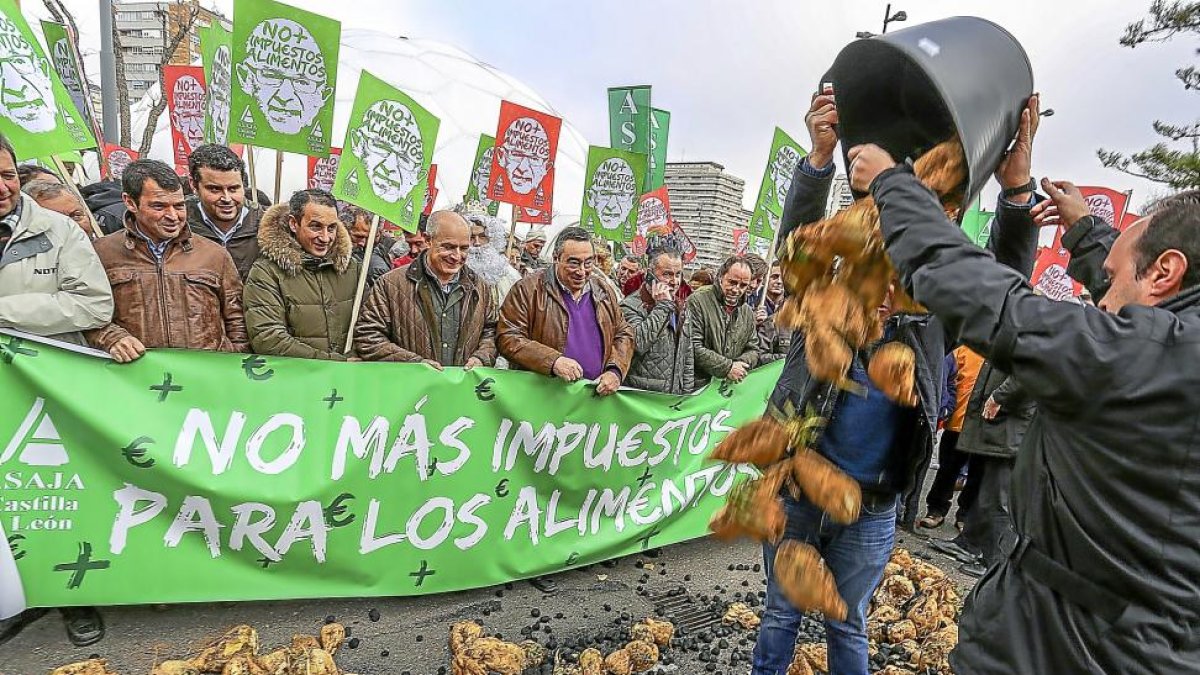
(300, 292)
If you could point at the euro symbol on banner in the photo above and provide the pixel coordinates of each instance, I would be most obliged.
(573, 558)
(484, 390)
(726, 389)
(251, 364)
(502, 488)
(135, 454)
(334, 511)
(14, 545)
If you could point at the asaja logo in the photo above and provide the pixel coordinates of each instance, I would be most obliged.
(37, 440)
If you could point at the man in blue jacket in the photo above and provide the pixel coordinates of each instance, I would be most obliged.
(887, 448)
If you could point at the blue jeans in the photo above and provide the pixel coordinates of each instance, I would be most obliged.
(855, 555)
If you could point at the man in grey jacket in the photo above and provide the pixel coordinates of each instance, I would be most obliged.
(662, 344)
(1100, 572)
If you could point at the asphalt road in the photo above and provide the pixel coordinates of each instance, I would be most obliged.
(408, 635)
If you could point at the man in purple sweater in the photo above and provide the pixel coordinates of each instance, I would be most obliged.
(564, 321)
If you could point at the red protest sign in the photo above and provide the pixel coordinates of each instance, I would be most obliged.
(1129, 219)
(533, 216)
(321, 170)
(184, 89)
(681, 241)
(1105, 203)
(654, 218)
(523, 160)
(431, 190)
(116, 158)
(741, 241)
(1050, 271)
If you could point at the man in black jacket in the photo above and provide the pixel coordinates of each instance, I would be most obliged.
(1100, 574)
(885, 447)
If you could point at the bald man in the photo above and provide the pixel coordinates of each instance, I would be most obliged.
(435, 310)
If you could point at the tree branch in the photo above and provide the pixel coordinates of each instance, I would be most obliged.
(1166, 20)
(169, 47)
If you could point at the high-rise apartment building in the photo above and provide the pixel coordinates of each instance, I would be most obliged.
(707, 202)
(144, 29)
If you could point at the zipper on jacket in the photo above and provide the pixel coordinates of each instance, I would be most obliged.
(162, 293)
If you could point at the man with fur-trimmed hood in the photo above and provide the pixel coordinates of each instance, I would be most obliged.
(300, 292)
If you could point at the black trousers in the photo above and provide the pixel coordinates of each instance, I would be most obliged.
(950, 464)
(989, 518)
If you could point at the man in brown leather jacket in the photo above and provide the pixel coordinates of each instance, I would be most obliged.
(170, 288)
(564, 321)
(435, 310)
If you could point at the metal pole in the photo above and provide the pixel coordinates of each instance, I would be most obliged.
(887, 13)
(108, 74)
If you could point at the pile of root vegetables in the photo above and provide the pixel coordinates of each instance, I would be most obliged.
(473, 653)
(237, 653)
(837, 275)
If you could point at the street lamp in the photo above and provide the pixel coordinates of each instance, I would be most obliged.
(888, 17)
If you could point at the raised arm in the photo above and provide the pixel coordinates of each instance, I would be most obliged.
(806, 199)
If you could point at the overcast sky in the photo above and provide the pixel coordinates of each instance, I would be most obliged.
(730, 72)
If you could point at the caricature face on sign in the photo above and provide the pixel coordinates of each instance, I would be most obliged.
(1055, 284)
(389, 144)
(652, 215)
(524, 154)
(218, 94)
(65, 65)
(284, 71)
(743, 241)
(783, 165)
(483, 174)
(187, 110)
(613, 192)
(117, 161)
(26, 92)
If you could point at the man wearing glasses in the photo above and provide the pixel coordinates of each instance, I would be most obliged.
(722, 325)
(563, 321)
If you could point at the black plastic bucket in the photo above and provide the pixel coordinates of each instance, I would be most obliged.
(912, 89)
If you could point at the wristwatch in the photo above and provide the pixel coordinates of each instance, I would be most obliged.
(1019, 190)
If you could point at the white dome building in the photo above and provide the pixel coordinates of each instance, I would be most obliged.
(463, 92)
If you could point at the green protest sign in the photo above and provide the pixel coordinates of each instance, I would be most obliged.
(216, 55)
(629, 118)
(481, 173)
(285, 71)
(613, 181)
(777, 180)
(977, 224)
(660, 128)
(62, 55)
(37, 114)
(244, 477)
(387, 152)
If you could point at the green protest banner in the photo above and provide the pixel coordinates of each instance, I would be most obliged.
(977, 224)
(214, 476)
(613, 180)
(215, 53)
(660, 128)
(481, 173)
(387, 152)
(62, 55)
(285, 66)
(629, 118)
(36, 111)
(777, 180)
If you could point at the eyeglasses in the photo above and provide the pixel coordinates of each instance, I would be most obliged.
(575, 264)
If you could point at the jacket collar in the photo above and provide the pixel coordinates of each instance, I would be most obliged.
(415, 271)
(279, 245)
(555, 289)
(247, 226)
(132, 238)
(1184, 300)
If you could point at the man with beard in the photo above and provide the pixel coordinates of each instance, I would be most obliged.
(300, 292)
(488, 238)
(218, 211)
(436, 310)
(662, 344)
(722, 327)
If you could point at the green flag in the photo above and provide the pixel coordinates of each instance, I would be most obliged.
(629, 118)
(284, 71)
(62, 55)
(215, 45)
(247, 477)
(36, 111)
(387, 152)
(613, 181)
(481, 173)
(777, 180)
(977, 224)
(660, 127)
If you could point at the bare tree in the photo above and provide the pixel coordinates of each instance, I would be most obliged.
(169, 46)
(119, 76)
